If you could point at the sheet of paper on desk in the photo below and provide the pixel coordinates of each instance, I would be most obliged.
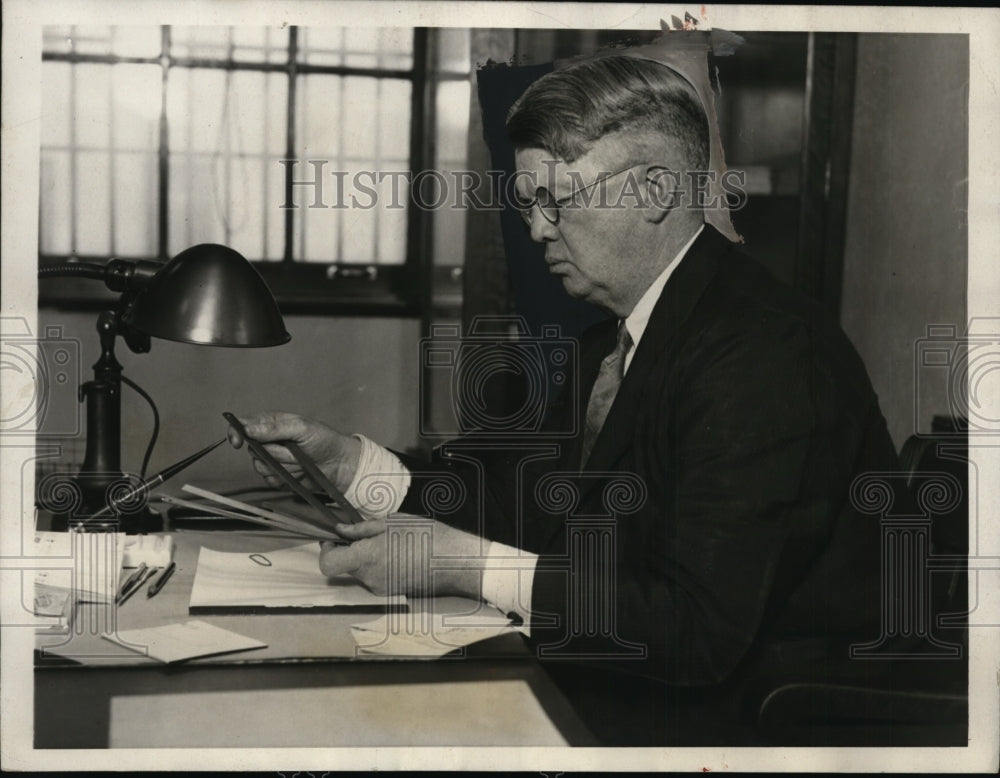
(187, 640)
(285, 580)
(86, 565)
(429, 635)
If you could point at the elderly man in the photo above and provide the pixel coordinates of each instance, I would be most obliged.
(739, 410)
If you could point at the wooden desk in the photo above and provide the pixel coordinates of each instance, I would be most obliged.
(309, 687)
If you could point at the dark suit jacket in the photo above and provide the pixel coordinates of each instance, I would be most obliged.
(743, 419)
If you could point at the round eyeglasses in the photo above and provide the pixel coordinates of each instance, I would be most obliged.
(550, 205)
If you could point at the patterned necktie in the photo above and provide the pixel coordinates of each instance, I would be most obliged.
(605, 388)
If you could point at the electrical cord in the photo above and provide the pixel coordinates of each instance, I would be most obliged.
(156, 423)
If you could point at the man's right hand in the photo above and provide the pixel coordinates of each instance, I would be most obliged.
(335, 454)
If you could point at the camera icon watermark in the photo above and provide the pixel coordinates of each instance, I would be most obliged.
(41, 377)
(500, 381)
(962, 371)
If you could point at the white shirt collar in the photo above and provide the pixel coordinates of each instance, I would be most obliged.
(636, 321)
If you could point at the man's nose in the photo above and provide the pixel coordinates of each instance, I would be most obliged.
(542, 230)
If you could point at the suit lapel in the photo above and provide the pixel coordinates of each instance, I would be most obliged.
(682, 292)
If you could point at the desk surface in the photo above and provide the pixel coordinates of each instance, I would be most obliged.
(289, 636)
(310, 678)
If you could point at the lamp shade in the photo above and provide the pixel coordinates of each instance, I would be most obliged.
(212, 295)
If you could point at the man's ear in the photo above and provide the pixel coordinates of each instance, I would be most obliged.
(663, 189)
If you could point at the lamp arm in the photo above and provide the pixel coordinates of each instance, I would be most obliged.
(78, 269)
(119, 275)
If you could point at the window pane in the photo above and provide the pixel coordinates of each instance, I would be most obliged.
(360, 220)
(358, 47)
(57, 38)
(135, 196)
(226, 134)
(89, 39)
(392, 221)
(92, 106)
(361, 47)
(453, 50)
(360, 96)
(318, 234)
(395, 48)
(274, 223)
(115, 106)
(92, 197)
(136, 93)
(321, 45)
(358, 128)
(452, 121)
(99, 197)
(55, 224)
(56, 104)
(225, 138)
(452, 152)
(195, 100)
(319, 112)
(201, 42)
(260, 44)
(226, 112)
(449, 234)
(139, 41)
(394, 123)
(197, 207)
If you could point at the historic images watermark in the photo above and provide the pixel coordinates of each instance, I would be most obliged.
(467, 367)
(461, 366)
(310, 184)
(935, 495)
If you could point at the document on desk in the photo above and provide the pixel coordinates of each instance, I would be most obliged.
(83, 566)
(187, 640)
(431, 635)
(287, 580)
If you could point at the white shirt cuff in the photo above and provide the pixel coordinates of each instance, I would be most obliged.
(507, 581)
(380, 482)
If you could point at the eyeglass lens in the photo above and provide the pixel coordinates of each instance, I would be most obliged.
(546, 203)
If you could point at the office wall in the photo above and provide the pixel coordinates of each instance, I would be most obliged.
(905, 263)
(358, 374)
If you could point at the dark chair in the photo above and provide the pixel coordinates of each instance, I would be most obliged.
(920, 700)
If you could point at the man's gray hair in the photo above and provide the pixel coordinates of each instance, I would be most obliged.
(566, 111)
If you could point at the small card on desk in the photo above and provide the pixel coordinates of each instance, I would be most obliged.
(393, 636)
(286, 580)
(187, 640)
(153, 550)
(53, 609)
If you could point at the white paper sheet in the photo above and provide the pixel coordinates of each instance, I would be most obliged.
(186, 640)
(287, 578)
(87, 565)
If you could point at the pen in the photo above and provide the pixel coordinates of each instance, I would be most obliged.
(158, 583)
(156, 480)
(137, 586)
(140, 570)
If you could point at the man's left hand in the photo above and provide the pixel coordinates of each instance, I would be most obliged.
(451, 564)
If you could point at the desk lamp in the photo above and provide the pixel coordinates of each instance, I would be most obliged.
(208, 294)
